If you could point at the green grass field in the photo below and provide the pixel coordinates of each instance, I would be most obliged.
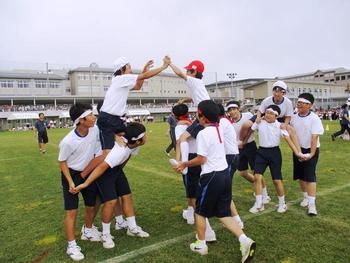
(31, 211)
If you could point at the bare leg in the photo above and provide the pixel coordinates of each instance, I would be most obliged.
(200, 226)
(69, 223)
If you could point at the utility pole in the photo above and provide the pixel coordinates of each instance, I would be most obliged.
(232, 77)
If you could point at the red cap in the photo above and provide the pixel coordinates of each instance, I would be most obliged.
(196, 65)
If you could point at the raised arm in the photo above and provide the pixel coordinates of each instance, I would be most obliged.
(151, 73)
(178, 72)
(146, 68)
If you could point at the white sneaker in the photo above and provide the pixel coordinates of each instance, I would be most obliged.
(107, 241)
(121, 226)
(255, 209)
(190, 217)
(200, 250)
(266, 199)
(248, 250)
(210, 236)
(282, 208)
(93, 235)
(75, 253)
(312, 210)
(137, 232)
(184, 214)
(304, 203)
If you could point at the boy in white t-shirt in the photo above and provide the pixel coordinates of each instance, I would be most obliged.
(193, 78)
(114, 104)
(269, 155)
(215, 193)
(112, 183)
(308, 127)
(76, 150)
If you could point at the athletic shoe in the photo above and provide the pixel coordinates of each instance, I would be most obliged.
(248, 250)
(333, 137)
(255, 209)
(266, 199)
(93, 235)
(184, 214)
(75, 253)
(107, 241)
(200, 250)
(282, 208)
(304, 203)
(210, 236)
(121, 226)
(312, 210)
(136, 232)
(190, 217)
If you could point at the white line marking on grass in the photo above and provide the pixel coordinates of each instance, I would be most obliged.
(159, 245)
(170, 175)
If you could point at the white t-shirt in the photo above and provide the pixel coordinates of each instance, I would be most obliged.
(179, 130)
(197, 89)
(269, 133)
(230, 138)
(208, 145)
(306, 127)
(116, 96)
(286, 106)
(78, 151)
(238, 126)
(119, 154)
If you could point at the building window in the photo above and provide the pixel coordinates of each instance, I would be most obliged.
(348, 76)
(22, 84)
(54, 85)
(337, 78)
(342, 77)
(40, 84)
(326, 80)
(105, 88)
(6, 84)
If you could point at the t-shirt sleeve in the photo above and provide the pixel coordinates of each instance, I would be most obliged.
(65, 151)
(263, 106)
(128, 81)
(290, 110)
(114, 157)
(179, 130)
(284, 133)
(255, 126)
(202, 145)
(317, 127)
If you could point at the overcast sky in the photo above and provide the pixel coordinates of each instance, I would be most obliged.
(257, 38)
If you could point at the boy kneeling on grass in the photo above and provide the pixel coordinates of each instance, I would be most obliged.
(215, 192)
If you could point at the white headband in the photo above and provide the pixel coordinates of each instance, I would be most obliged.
(138, 137)
(273, 111)
(83, 115)
(232, 105)
(304, 100)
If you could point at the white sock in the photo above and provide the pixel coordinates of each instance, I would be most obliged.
(131, 222)
(207, 226)
(281, 200)
(258, 199)
(305, 195)
(264, 191)
(202, 243)
(72, 243)
(237, 218)
(190, 212)
(243, 238)
(119, 219)
(311, 200)
(190, 208)
(106, 228)
(184, 154)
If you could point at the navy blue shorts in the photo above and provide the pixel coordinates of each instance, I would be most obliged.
(194, 129)
(215, 195)
(109, 125)
(42, 137)
(191, 179)
(106, 185)
(71, 201)
(269, 157)
(305, 171)
(247, 156)
(121, 184)
(232, 162)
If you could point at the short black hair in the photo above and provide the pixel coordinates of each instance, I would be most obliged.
(209, 109)
(221, 109)
(198, 75)
(180, 109)
(307, 96)
(119, 71)
(41, 114)
(133, 130)
(275, 108)
(344, 106)
(233, 102)
(77, 109)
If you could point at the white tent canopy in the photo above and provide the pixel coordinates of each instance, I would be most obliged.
(138, 112)
(23, 116)
(64, 114)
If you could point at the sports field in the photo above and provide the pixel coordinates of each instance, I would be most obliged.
(31, 211)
